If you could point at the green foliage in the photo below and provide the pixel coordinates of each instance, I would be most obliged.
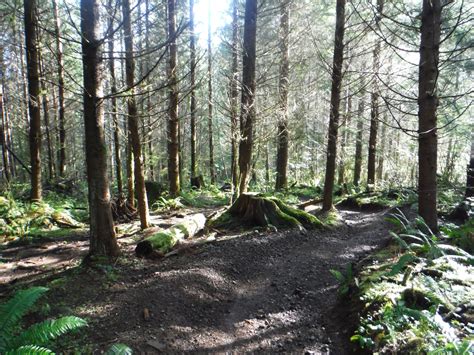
(36, 338)
(164, 204)
(409, 298)
(345, 279)
(23, 219)
(461, 236)
(119, 349)
(210, 196)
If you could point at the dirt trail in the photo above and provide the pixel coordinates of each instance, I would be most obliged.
(269, 292)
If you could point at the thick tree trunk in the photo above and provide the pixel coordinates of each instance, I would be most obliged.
(427, 105)
(116, 127)
(133, 120)
(247, 114)
(374, 105)
(335, 101)
(192, 46)
(282, 145)
(62, 120)
(234, 97)
(102, 233)
(210, 104)
(32, 62)
(173, 120)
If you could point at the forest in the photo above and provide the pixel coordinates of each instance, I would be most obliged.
(214, 176)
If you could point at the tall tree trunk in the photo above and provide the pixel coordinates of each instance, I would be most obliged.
(470, 171)
(173, 120)
(192, 46)
(427, 104)
(210, 104)
(374, 103)
(130, 171)
(341, 171)
(102, 232)
(148, 97)
(282, 145)
(3, 140)
(32, 62)
(335, 101)
(45, 101)
(62, 120)
(3, 128)
(247, 111)
(133, 119)
(115, 121)
(381, 154)
(234, 97)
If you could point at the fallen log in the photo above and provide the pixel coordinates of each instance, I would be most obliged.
(252, 209)
(163, 241)
(305, 204)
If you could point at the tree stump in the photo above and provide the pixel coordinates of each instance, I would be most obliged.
(252, 209)
(197, 182)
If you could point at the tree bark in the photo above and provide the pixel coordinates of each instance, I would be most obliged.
(427, 105)
(3, 140)
(102, 233)
(61, 116)
(470, 171)
(335, 101)
(282, 145)
(341, 170)
(210, 104)
(374, 103)
(173, 120)
(116, 127)
(192, 46)
(133, 119)
(247, 114)
(49, 145)
(32, 62)
(234, 97)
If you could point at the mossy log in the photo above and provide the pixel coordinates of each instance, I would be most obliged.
(252, 209)
(165, 240)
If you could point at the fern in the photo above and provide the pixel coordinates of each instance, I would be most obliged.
(14, 340)
(12, 311)
(42, 333)
(30, 350)
(119, 349)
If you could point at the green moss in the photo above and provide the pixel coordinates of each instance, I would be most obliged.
(164, 241)
(258, 210)
(306, 219)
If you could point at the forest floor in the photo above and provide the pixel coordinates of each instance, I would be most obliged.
(259, 291)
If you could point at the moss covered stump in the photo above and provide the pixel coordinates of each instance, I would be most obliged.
(252, 209)
(163, 241)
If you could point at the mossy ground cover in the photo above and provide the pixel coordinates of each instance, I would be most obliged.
(26, 220)
(418, 296)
